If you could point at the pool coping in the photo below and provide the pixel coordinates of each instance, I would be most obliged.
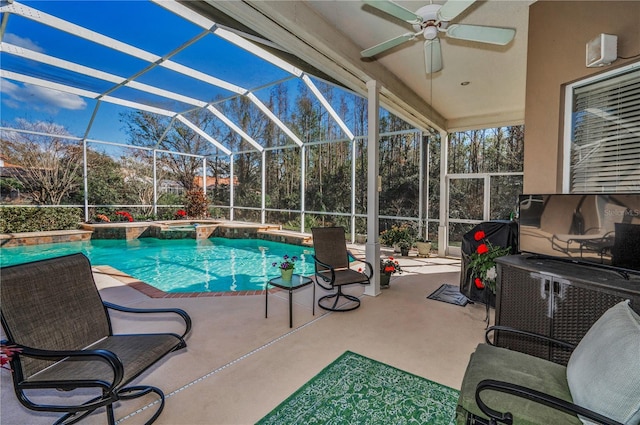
(9, 240)
(153, 292)
(135, 230)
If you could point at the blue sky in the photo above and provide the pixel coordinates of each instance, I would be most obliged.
(142, 24)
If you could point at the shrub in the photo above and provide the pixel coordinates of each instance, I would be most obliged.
(396, 235)
(197, 204)
(23, 219)
(124, 216)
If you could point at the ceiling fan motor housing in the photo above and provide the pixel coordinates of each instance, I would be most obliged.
(430, 21)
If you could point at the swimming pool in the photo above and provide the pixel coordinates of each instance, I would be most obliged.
(179, 265)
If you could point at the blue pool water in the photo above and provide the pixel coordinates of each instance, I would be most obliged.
(180, 265)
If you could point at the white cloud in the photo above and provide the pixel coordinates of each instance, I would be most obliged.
(27, 43)
(30, 96)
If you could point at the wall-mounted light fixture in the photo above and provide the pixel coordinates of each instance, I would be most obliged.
(602, 50)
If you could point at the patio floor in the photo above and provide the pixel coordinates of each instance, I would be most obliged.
(238, 365)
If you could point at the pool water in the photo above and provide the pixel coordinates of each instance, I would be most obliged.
(180, 265)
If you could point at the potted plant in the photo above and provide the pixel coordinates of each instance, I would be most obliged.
(361, 238)
(286, 267)
(404, 245)
(387, 268)
(394, 235)
(424, 247)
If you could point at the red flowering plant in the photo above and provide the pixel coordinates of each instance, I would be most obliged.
(483, 264)
(6, 354)
(125, 215)
(180, 214)
(390, 266)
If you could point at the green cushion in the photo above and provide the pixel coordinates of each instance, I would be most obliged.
(489, 362)
(604, 370)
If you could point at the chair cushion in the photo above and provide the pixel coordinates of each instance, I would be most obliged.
(604, 370)
(501, 364)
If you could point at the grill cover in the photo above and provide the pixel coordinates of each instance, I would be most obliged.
(502, 233)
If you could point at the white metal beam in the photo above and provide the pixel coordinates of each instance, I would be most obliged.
(76, 30)
(79, 31)
(252, 48)
(372, 247)
(96, 73)
(209, 25)
(203, 134)
(234, 127)
(328, 106)
(84, 93)
(175, 7)
(274, 118)
(30, 54)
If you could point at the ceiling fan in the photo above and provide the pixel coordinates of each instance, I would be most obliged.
(429, 21)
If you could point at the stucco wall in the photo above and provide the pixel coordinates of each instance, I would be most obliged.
(558, 33)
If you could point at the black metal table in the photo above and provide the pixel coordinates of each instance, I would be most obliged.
(297, 282)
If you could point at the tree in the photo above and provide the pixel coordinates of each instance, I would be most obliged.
(138, 179)
(154, 131)
(105, 181)
(50, 163)
(247, 165)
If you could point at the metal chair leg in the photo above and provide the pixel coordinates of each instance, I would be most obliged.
(337, 295)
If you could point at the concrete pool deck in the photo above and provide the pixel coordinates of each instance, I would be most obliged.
(238, 365)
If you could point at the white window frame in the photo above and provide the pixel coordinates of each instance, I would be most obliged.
(568, 117)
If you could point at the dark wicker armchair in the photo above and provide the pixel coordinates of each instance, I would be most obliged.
(332, 268)
(52, 311)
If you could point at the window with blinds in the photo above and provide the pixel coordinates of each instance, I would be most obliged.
(604, 146)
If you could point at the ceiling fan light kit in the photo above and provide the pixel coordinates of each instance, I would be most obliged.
(432, 19)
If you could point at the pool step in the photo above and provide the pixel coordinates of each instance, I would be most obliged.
(195, 231)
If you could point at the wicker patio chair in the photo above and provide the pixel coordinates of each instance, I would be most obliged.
(332, 269)
(52, 311)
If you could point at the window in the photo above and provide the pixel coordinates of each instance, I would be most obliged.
(602, 133)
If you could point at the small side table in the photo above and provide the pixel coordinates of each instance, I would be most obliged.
(297, 281)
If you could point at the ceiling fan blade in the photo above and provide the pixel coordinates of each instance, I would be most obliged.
(432, 56)
(385, 45)
(492, 35)
(396, 10)
(453, 8)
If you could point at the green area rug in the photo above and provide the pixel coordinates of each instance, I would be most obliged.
(358, 390)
